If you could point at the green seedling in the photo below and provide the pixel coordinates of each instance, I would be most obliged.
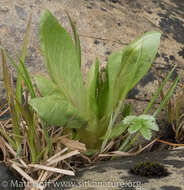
(143, 124)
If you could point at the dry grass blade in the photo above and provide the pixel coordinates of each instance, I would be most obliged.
(72, 144)
(3, 112)
(177, 148)
(43, 176)
(152, 142)
(56, 178)
(109, 146)
(3, 148)
(86, 158)
(58, 154)
(51, 169)
(23, 174)
(18, 164)
(68, 155)
(14, 154)
(120, 153)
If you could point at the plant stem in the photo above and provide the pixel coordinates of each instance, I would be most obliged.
(131, 142)
(111, 123)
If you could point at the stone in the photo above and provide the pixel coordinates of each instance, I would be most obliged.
(7, 178)
(116, 174)
(101, 32)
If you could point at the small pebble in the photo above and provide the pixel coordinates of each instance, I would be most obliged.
(114, 1)
(107, 53)
(4, 9)
(20, 12)
(96, 42)
(171, 57)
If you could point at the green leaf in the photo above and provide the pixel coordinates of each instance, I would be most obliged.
(11, 103)
(54, 109)
(75, 123)
(136, 126)
(159, 90)
(167, 96)
(152, 125)
(129, 119)
(23, 56)
(126, 68)
(62, 60)
(76, 37)
(91, 90)
(102, 93)
(143, 123)
(117, 130)
(146, 133)
(25, 75)
(45, 85)
(126, 111)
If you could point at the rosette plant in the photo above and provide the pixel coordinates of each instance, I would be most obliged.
(87, 110)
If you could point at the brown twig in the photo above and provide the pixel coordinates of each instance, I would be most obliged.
(169, 143)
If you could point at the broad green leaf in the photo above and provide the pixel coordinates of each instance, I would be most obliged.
(54, 109)
(75, 123)
(62, 60)
(91, 90)
(45, 85)
(126, 68)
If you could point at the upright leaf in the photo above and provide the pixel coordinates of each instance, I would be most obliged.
(91, 90)
(11, 103)
(102, 92)
(62, 60)
(45, 86)
(76, 37)
(126, 68)
(23, 56)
